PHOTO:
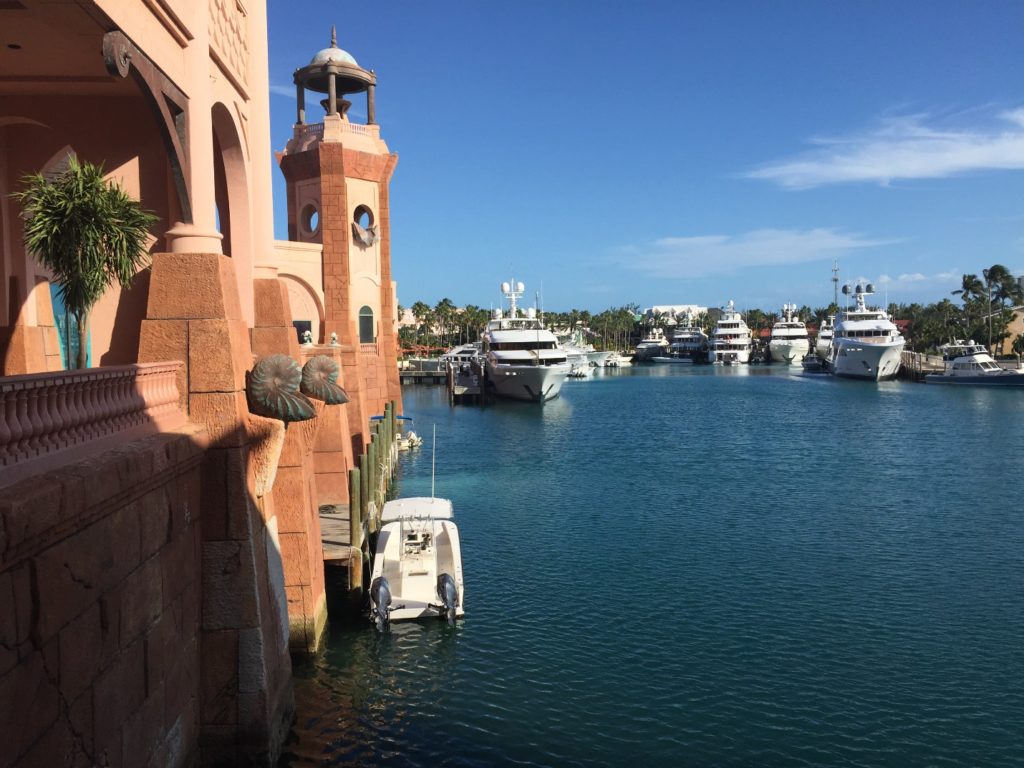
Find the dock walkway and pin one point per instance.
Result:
(336, 533)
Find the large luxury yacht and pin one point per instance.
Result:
(652, 345)
(689, 344)
(823, 344)
(730, 341)
(523, 359)
(789, 342)
(866, 345)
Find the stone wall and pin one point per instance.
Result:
(100, 609)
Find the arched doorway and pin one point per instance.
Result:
(231, 185)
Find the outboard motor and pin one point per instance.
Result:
(380, 599)
(448, 594)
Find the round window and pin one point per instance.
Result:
(310, 219)
(363, 216)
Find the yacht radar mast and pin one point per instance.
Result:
(512, 291)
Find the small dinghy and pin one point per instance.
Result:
(417, 563)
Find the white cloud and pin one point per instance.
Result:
(902, 148)
(288, 91)
(704, 255)
(915, 283)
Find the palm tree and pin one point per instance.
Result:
(971, 291)
(89, 233)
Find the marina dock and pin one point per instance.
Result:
(345, 529)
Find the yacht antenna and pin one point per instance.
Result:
(433, 461)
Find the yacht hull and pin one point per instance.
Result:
(789, 351)
(822, 347)
(532, 383)
(728, 357)
(673, 360)
(858, 360)
(1004, 379)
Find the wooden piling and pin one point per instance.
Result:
(364, 489)
(371, 455)
(355, 568)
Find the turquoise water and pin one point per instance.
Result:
(714, 566)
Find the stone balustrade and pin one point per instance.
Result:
(371, 350)
(50, 413)
(304, 136)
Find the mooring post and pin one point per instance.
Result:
(371, 454)
(355, 526)
(364, 489)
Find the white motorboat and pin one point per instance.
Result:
(654, 344)
(823, 344)
(730, 341)
(867, 344)
(689, 344)
(618, 360)
(523, 359)
(966, 362)
(417, 563)
(789, 342)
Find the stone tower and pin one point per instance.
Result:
(338, 173)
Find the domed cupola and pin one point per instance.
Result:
(335, 72)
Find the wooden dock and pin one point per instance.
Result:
(336, 534)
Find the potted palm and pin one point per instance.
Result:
(88, 232)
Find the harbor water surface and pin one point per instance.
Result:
(714, 566)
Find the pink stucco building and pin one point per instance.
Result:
(160, 552)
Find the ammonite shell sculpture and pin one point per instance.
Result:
(320, 380)
(272, 388)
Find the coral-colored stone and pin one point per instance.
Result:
(218, 355)
(223, 414)
(193, 286)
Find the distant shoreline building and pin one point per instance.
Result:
(673, 313)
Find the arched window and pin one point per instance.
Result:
(366, 335)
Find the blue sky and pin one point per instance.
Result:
(674, 152)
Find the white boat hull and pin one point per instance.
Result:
(598, 359)
(854, 359)
(789, 351)
(822, 347)
(412, 569)
(532, 383)
(729, 356)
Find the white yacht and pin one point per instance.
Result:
(417, 563)
(730, 341)
(654, 344)
(866, 345)
(966, 362)
(689, 344)
(523, 360)
(789, 342)
(823, 344)
(464, 353)
(581, 353)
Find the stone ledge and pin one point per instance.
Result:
(37, 512)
